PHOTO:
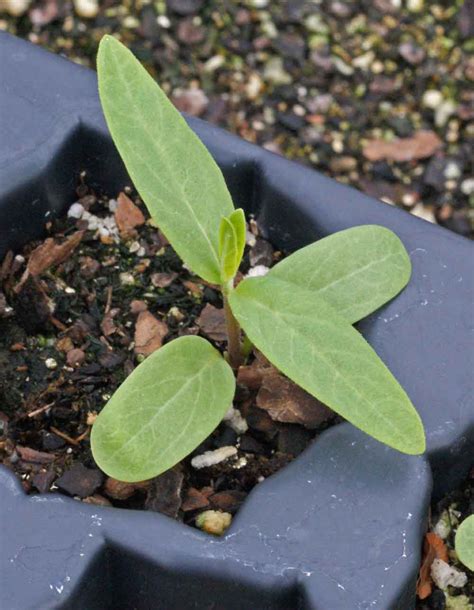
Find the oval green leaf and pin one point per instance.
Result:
(231, 243)
(464, 542)
(163, 410)
(179, 181)
(356, 271)
(304, 337)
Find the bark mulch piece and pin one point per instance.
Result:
(80, 481)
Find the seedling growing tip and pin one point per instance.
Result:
(300, 315)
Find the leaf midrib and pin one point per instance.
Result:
(164, 161)
(329, 362)
(341, 279)
(160, 411)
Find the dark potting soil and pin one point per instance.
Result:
(445, 517)
(78, 312)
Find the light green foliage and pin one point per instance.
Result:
(356, 270)
(163, 410)
(317, 348)
(177, 178)
(464, 542)
(231, 244)
(300, 315)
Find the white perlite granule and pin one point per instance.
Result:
(258, 271)
(211, 458)
(76, 211)
(233, 418)
(444, 575)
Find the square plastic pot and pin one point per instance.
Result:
(339, 528)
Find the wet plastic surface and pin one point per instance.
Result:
(341, 527)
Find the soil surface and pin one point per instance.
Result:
(445, 517)
(375, 93)
(78, 311)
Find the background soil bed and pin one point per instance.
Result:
(78, 312)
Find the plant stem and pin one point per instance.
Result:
(234, 345)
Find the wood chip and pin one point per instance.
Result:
(137, 306)
(423, 144)
(80, 481)
(75, 357)
(163, 280)
(127, 215)
(51, 253)
(64, 344)
(433, 548)
(43, 480)
(194, 500)
(119, 490)
(228, 501)
(149, 333)
(108, 325)
(88, 267)
(32, 305)
(164, 493)
(212, 323)
(6, 265)
(32, 455)
(251, 376)
(97, 500)
(286, 402)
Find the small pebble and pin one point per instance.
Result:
(275, 73)
(214, 63)
(163, 21)
(127, 279)
(432, 98)
(415, 6)
(443, 112)
(75, 357)
(88, 9)
(467, 186)
(16, 8)
(51, 363)
(192, 101)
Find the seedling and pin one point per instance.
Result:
(300, 315)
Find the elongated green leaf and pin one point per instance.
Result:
(356, 270)
(171, 168)
(231, 243)
(304, 337)
(464, 542)
(163, 410)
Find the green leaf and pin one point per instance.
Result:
(464, 542)
(356, 270)
(177, 178)
(163, 410)
(231, 243)
(304, 337)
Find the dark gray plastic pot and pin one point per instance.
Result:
(341, 527)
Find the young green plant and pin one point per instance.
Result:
(300, 315)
